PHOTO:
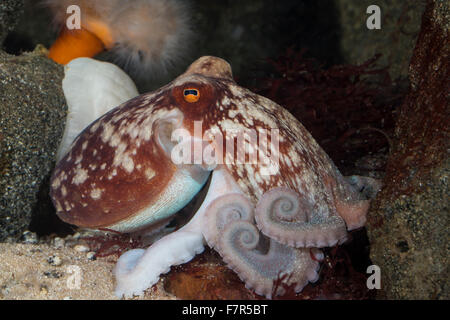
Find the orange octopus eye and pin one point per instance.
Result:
(191, 95)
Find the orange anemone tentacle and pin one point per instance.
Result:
(101, 30)
(72, 44)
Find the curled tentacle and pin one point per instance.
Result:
(286, 205)
(292, 219)
(262, 262)
(223, 210)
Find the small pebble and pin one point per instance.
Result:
(54, 260)
(43, 290)
(91, 255)
(81, 248)
(54, 274)
(29, 237)
(76, 236)
(58, 242)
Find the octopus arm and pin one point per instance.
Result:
(353, 204)
(259, 261)
(139, 269)
(292, 219)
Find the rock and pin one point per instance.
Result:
(91, 255)
(400, 25)
(10, 12)
(54, 260)
(408, 224)
(58, 242)
(32, 117)
(29, 237)
(81, 248)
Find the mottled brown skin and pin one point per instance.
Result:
(308, 169)
(127, 192)
(207, 110)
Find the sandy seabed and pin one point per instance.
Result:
(41, 271)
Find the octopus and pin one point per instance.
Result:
(273, 198)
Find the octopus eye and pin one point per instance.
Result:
(191, 95)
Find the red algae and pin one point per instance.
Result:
(349, 110)
(113, 244)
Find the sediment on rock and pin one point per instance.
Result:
(32, 118)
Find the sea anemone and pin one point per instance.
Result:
(143, 36)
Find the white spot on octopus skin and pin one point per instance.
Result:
(128, 164)
(233, 113)
(95, 126)
(84, 145)
(58, 206)
(96, 194)
(79, 159)
(225, 101)
(56, 183)
(80, 176)
(133, 131)
(113, 174)
(107, 132)
(63, 191)
(149, 173)
(236, 91)
(123, 158)
(147, 135)
(115, 140)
